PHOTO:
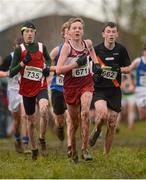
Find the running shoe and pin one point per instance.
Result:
(35, 153)
(18, 146)
(75, 158)
(69, 151)
(86, 155)
(60, 133)
(94, 135)
(26, 149)
(44, 150)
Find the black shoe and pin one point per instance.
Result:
(75, 158)
(18, 146)
(94, 135)
(86, 155)
(35, 153)
(60, 133)
(44, 150)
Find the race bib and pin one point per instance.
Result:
(108, 74)
(32, 73)
(59, 80)
(80, 72)
(143, 80)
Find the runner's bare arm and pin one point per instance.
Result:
(4, 74)
(132, 66)
(53, 54)
(92, 51)
(61, 67)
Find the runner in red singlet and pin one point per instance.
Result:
(78, 83)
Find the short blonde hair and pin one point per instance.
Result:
(73, 20)
(63, 27)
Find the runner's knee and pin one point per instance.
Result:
(31, 121)
(84, 114)
(103, 114)
(112, 123)
(43, 106)
(24, 117)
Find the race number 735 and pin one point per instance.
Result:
(32, 73)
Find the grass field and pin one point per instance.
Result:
(127, 159)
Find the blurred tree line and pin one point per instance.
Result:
(128, 14)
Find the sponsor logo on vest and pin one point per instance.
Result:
(109, 58)
(116, 54)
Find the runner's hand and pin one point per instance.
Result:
(46, 72)
(97, 69)
(27, 58)
(82, 60)
(97, 78)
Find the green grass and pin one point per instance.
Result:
(127, 159)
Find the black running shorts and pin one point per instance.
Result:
(58, 102)
(110, 94)
(30, 102)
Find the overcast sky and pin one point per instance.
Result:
(17, 11)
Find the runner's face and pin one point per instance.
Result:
(76, 31)
(110, 34)
(29, 35)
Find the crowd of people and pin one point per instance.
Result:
(87, 84)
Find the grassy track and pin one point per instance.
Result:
(127, 159)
